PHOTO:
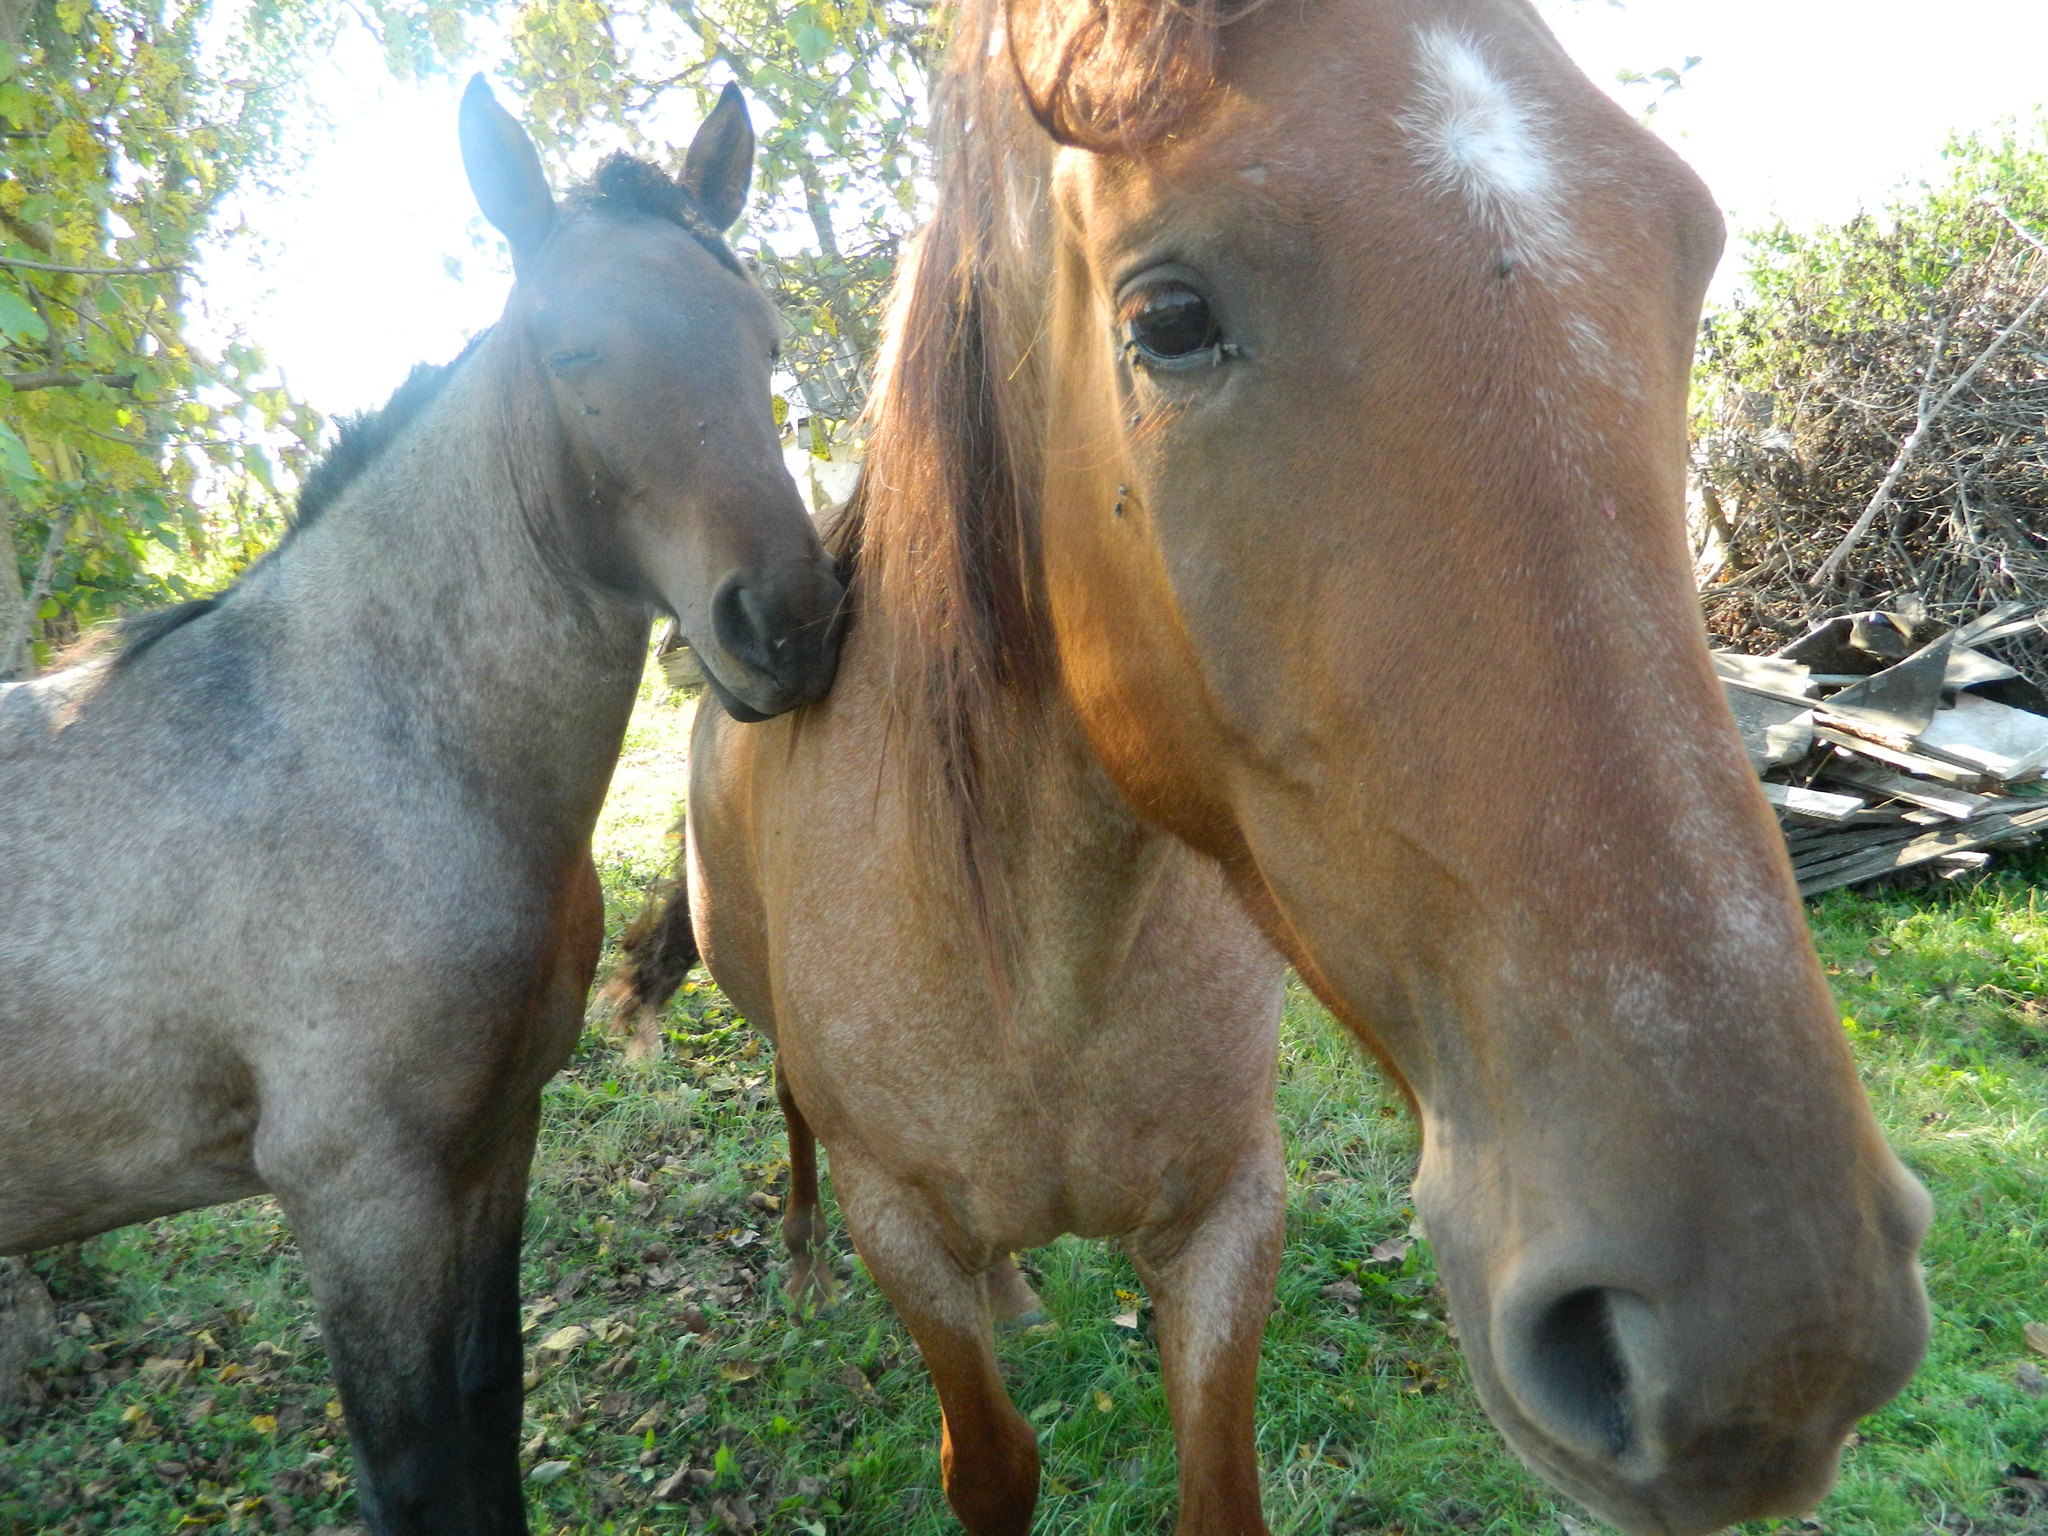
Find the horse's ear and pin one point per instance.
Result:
(721, 160)
(504, 171)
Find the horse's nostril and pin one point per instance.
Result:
(1577, 1374)
(741, 625)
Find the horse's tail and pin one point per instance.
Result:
(658, 952)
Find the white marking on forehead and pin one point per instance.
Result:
(1478, 137)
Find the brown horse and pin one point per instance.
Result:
(1276, 488)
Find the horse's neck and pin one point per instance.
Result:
(1075, 859)
(425, 591)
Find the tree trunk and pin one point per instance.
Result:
(12, 599)
(17, 655)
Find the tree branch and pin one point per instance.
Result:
(56, 378)
(1928, 414)
(58, 266)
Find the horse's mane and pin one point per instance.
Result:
(942, 530)
(360, 440)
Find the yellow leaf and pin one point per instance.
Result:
(739, 1370)
(264, 1424)
(562, 1340)
(1103, 1401)
(334, 1407)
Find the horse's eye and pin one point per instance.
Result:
(562, 362)
(1171, 326)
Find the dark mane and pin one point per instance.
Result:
(628, 187)
(360, 440)
(942, 532)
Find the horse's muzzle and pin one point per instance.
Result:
(1683, 1408)
(776, 638)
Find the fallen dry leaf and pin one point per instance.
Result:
(562, 1340)
(2028, 1482)
(1103, 1401)
(734, 1513)
(1393, 1251)
(547, 1471)
(1343, 1291)
(738, 1370)
(2036, 1336)
(2031, 1379)
(1126, 1320)
(671, 1487)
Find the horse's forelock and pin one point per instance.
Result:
(626, 185)
(1112, 75)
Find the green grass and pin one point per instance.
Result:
(190, 1390)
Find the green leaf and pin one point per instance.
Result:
(15, 462)
(18, 320)
(812, 41)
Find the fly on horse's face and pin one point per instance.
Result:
(657, 351)
(1363, 543)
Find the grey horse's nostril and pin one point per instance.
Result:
(742, 624)
(1577, 1373)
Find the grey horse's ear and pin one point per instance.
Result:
(504, 171)
(720, 164)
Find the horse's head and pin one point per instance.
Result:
(650, 350)
(1364, 360)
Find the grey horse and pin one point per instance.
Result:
(296, 891)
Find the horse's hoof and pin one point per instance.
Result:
(811, 1291)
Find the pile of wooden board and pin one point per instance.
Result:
(1888, 745)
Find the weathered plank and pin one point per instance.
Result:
(1984, 832)
(1959, 804)
(1813, 802)
(1912, 762)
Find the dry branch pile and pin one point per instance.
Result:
(1877, 433)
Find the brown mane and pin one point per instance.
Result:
(941, 532)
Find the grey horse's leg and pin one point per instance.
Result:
(415, 1268)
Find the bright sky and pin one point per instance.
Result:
(1809, 109)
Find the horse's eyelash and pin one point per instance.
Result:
(560, 360)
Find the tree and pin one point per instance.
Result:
(129, 446)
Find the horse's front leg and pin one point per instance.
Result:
(989, 1456)
(414, 1265)
(1211, 1278)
